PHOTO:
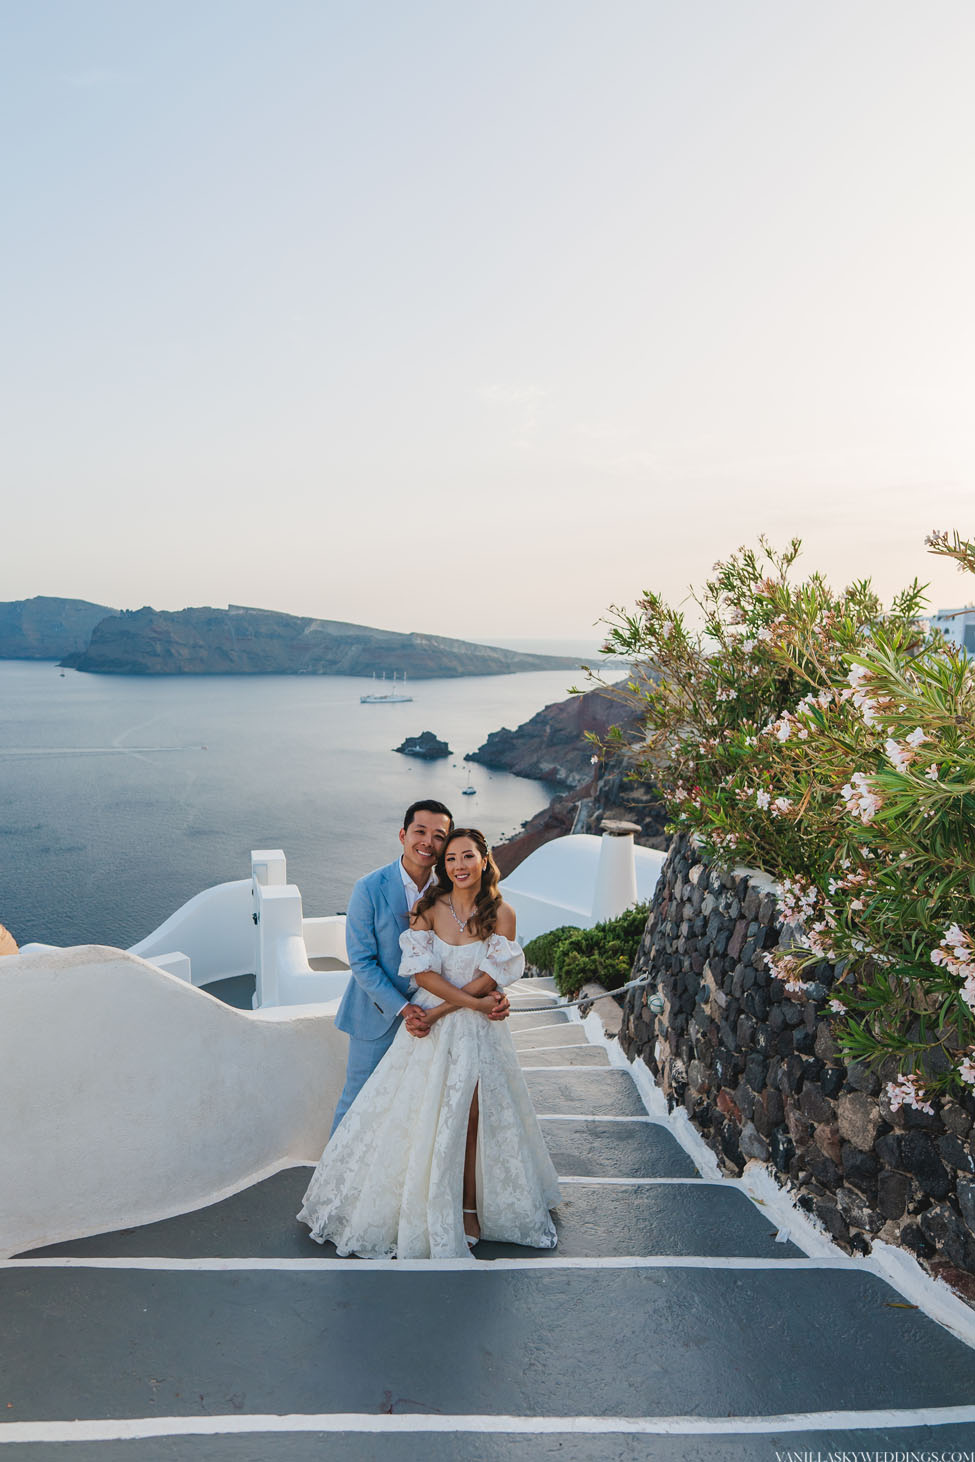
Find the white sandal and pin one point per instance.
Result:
(471, 1241)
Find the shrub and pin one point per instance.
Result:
(832, 743)
(604, 953)
(542, 951)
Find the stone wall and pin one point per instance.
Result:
(761, 1076)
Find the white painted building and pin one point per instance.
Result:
(957, 625)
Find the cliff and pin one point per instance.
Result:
(552, 747)
(239, 641)
(47, 629)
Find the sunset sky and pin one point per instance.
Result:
(477, 317)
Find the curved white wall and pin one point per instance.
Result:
(127, 1095)
(559, 882)
(215, 929)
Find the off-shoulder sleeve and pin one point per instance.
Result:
(419, 953)
(503, 960)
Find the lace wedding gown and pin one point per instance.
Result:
(390, 1180)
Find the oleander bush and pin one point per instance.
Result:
(604, 953)
(830, 741)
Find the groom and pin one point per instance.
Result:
(376, 995)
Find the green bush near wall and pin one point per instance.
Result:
(604, 953)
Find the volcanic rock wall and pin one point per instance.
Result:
(762, 1078)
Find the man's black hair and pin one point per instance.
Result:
(427, 806)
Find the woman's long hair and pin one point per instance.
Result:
(484, 918)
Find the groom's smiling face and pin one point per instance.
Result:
(423, 840)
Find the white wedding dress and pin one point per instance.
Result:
(390, 1180)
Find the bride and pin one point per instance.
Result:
(442, 1146)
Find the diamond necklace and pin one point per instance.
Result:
(460, 926)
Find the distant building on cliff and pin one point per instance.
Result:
(957, 625)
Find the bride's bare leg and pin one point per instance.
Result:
(471, 1225)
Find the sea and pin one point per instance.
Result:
(122, 796)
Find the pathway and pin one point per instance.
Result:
(668, 1324)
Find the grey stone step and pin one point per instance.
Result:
(593, 1221)
(420, 1446)
(518, 1022)
(639, 1220)
(556, 1035)
(564, 1056)
(642, 1342)
(528, 988)
(610, 1093)
(616, 1150)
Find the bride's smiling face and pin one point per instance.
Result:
(463, 863)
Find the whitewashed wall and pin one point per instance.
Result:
(215, 928)
(127, 1096)
(560, 883)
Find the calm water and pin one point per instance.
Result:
(121, 797)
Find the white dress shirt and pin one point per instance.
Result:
(413, 896)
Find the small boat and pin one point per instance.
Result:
(388, 698)
(470, 790)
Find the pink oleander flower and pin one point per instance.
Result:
(907, 1091)
(781, 727)
(966, 1070)
(902, 753)
(932, 772)
(900, 757)
(797, 900)
(837, 1007)
(762, 799)
(780, 806)
(825, 699)
(859, 799)
(818, 944)
(869, 708)
(786, 967)
(956, 954)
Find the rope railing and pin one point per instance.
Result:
(655, 1003)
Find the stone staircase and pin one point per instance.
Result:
(668, 1324)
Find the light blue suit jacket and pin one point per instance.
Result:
(376, 917)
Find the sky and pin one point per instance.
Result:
(477, 318)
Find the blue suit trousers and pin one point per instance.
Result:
(364, 1057)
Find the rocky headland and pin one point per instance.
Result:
(553, 747)
(45, 628)
(244, 641)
